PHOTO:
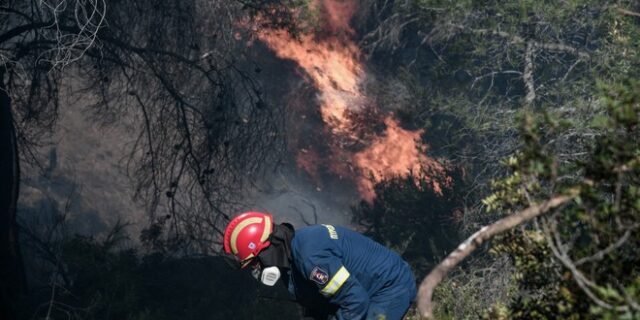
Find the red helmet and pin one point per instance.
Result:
(247, 234)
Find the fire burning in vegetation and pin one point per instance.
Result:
(363, 143)
(397, 153)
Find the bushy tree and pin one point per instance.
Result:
(581, 260)
(472, 66)
(85, 277)
(579, 257)
(413, 219)
(175, 70)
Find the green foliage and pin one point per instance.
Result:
(464, 62)
(468, 58)
(580, 261)
(469, 291)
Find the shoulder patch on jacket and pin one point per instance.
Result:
(319, 276)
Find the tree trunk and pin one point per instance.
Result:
(12, 277)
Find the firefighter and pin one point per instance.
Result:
(330, 270)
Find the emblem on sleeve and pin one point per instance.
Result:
(319, 276)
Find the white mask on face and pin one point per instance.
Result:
(270, 276)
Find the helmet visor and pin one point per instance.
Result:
(250, 262)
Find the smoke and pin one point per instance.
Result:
(293, 198)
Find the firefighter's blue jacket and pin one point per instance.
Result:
(342, 268)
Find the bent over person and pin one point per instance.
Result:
(330, 270)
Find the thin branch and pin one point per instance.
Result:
(570, 69)
(583, 282)
(429, 283)
(561, 47)
(600, 254)
(22, 29)
(627, 12)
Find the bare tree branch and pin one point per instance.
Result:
(559, 47)
(429, 283)
(560, 252)
(600, 254)
(628, 12)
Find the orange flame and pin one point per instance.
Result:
(331, 61)
(333, 68)
(397, 153)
